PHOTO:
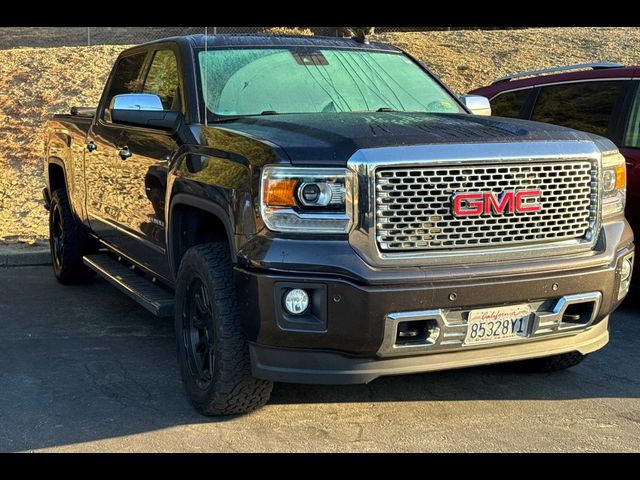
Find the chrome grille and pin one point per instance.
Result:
(413, 205)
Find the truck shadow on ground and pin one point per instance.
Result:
(85, 363)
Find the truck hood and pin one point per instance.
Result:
(334, 137)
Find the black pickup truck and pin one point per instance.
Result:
(326, 211)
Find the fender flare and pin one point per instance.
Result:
(59, 162)
(204, 205)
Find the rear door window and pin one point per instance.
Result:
(585, 106)
(509, 104)
(632, 134)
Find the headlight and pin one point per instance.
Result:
(614, 184)
(307, 200)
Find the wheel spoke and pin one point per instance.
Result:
(205, 298)
(198, 333)
(200, 360)
(207, 358)
(206, 372)
(57, 235)
(201, 305)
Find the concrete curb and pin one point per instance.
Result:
(24, 256)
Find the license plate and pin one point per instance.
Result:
(497, 324)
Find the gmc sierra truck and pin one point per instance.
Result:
(315, 210)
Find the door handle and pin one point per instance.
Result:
(125, 153)
(92, 147)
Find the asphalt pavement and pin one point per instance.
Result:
(84, 368)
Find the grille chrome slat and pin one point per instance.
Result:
(413, 205)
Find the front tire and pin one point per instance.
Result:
(66, 241)
(554, 363)
(213, 352)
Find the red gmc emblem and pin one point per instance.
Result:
(473, 204)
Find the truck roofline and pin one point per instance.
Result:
(257, 40)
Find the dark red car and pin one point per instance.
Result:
(601, 98)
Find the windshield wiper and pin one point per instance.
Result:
(394, 110)
(233, 118)
(227, 118)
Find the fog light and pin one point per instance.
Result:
(296, 301)
(626, 270)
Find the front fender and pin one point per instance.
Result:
(221, 183)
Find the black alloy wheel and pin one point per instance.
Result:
(57, 235)
(198, 333)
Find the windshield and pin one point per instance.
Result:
(256, 81)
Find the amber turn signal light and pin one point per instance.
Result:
(621, 176)
(280, 192)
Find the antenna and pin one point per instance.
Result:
(206, 76)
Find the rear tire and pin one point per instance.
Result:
(213, 352)
(554, 363)
(67, 242)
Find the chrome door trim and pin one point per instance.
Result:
(144, 241)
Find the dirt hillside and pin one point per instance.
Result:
(38, 82)
(33, 84)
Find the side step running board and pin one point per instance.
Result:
(146, 293)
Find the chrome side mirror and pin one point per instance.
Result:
(136, 101)
(143, 110)
(477, 104)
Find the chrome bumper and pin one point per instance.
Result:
(449, 327)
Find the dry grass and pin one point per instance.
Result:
(467, 59)
(35, 83)
(38, 82)
(288, 31)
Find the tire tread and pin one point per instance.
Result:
(554, 363)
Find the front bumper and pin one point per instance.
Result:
(344, 341)
(318, 367)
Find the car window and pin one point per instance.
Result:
(126, 77)
(632, 135)
(509, 104)
(585, 106)
(162, 79)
